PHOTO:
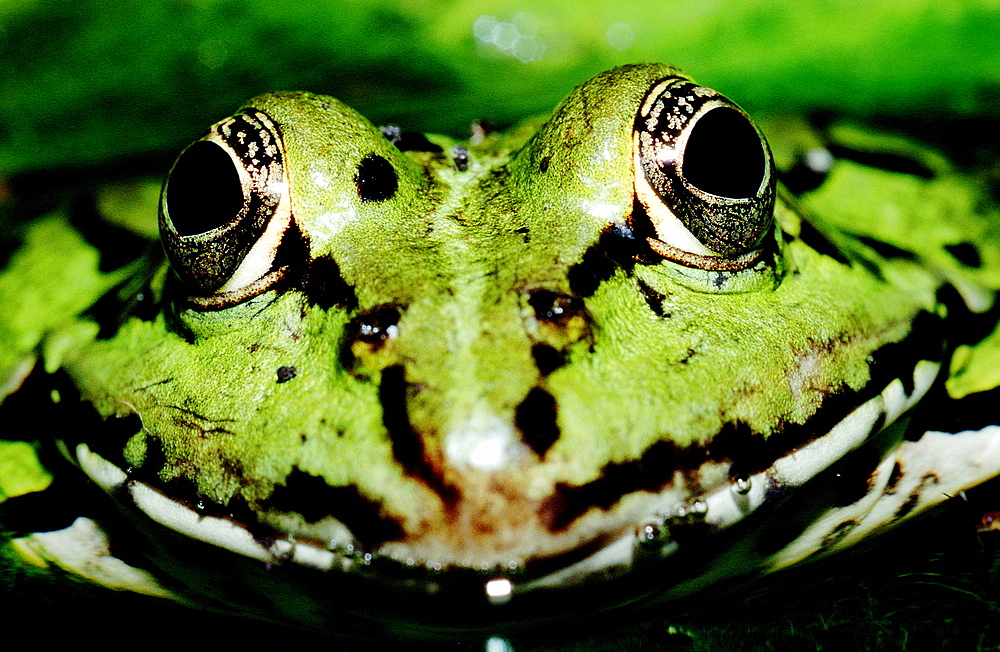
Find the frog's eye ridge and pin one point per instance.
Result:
(219, 205)
(704, 176)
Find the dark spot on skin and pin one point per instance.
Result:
(286, 373)
(965, 253)
(543, 164)
(837, 534)
(376, 179)
(894, 477)
(914, 498)
(888, 161)
(460, 157)
(312, 497)
(547, 358)
(536, 418)
(884, 249)
(325, 287)
(654, 299)
(292, 253)
(525, 234)
(612, 251)
(407, 444)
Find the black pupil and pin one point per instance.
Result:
(204, 190)
(724, 155)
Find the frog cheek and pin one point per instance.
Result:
(704, 177)
(224, 208)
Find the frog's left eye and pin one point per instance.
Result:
(224, 208)
(703, 174)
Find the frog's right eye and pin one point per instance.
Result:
(224, 208)
(704, 175)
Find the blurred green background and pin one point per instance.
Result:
(125, 84)
(90, 80)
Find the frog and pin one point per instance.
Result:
(382, 383)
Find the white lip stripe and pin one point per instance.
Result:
(220, 532)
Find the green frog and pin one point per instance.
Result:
(373, 381)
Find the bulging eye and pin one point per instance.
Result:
(223, 208)
(703, 174)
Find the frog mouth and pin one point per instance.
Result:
(605, 554)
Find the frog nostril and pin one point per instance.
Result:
(369, 339)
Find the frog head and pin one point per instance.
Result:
(533, 357)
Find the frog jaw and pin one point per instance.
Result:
(604, 543)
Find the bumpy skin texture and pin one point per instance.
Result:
(480, 358)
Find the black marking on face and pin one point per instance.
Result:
(325, 287)
(312, 497)
(913, 499)
(652, 472)
(965, 253)
(654, 299)
(888, 161)
(600, 262)
(537, 419)
(376, 179)
(286, 373)
(407, 444)
(117, 246)
(547, 358)
(884, 249)
(894, 477)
